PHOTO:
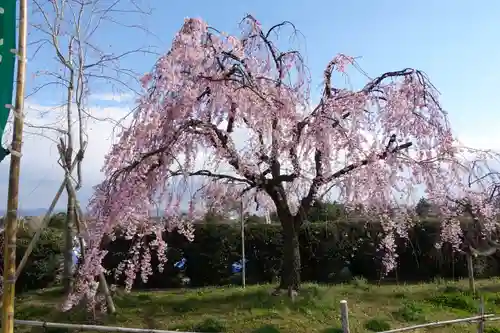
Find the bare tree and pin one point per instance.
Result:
(67, 33)
(482, 237)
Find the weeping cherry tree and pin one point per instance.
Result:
(245, 106)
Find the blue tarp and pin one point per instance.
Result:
(181, 264)
(76, 250)
(237, 266)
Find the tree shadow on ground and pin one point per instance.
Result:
(332, 330)
(205, 303)
(267, 329)
(34, 312)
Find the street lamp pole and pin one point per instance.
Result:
(243, 259)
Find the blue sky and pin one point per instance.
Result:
(454, 42)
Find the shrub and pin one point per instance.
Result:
(42, 263)
(377, 325)
(455, 301)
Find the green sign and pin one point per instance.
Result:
(7, 63)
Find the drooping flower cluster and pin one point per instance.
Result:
(244, 106)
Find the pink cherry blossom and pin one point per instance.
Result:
(246, 106)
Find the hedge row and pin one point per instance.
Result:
(327, 250)
(43, 263)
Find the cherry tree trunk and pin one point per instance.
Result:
(290, 269)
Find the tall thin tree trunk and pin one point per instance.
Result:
(68, 244)
(68, 154)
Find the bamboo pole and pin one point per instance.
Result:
(440, 323)
(93, 328)
(9, 273)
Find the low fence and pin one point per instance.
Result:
(480, 319)
(93, 328)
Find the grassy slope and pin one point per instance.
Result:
(231, 309)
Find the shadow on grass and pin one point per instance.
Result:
(34, 312)
(53, 313)
(267, 329)
(332, 330)
(130, 301)
(310, 297)
(207, 325)
(425, 294)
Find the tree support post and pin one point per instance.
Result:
(79, 221)
(43, 225)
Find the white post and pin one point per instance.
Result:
(243, 258)
(344, 315)
(268, 217)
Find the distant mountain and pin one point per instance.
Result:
(31, 211)
(41, 211)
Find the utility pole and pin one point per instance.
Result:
(7, 12)
(243, 259)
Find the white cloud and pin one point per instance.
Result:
(101, 132)
(40, 173)
(111, 97)
(486, 140)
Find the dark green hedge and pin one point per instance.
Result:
(326, 250)
(43, 263)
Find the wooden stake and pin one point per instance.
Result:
(9, 273)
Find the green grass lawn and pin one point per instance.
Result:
(232, 309)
